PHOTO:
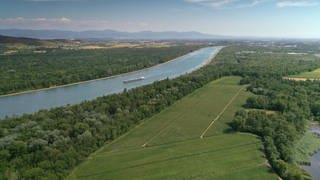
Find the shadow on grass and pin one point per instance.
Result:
(229, 130)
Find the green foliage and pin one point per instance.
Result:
(28, 70)
(305, 147)
(58, 139)
(315, 74)
(174, 149)
(294, 102)
(27, 41)
(52, 142)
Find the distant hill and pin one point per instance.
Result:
(28, 41)
(107, 34)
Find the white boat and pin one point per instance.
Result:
(134, 79)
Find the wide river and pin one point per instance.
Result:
(44, 99)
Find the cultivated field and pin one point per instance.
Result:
(169, 145)
(313, 75)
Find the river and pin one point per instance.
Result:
(27, 103)
(314, 168)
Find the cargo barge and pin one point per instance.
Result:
(134, 80)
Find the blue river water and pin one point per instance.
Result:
(45, 99)
(314, 168)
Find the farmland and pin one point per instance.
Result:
(312, 75)
(169, 144)
(63, 138)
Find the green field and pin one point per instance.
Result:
(168, 145)
(313, 74)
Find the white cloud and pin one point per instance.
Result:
(199, 1)
(251, 4)
(283, 4)
(212, 3)
(51, 0)
(70, 24)
(218, 4)
(30, 21)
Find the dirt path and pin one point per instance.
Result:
(165, 127)
(301, 79)
(221, 113)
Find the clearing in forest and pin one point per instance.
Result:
(168, 145)
(312, 75)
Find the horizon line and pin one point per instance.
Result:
(226, 36)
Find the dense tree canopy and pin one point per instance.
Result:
(281, 109)
(49, 143)
(29, 70)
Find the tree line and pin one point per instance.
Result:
(50, 143)
(29, 70)
(280, 110)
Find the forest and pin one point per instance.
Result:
(52, 67)
(294, 104)
(281, 110)
(50, 143)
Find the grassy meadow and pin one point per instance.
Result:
(168, 145)
(315, 74)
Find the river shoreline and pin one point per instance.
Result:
(32, 101)
(103, 78)
(314, 158)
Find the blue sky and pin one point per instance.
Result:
(268, 18)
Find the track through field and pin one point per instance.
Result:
(167, 145)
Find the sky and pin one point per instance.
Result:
(260, 18)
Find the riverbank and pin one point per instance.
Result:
(103, 78)
(314, 167)
(308, 145)
(307, 148)
(29, 102)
